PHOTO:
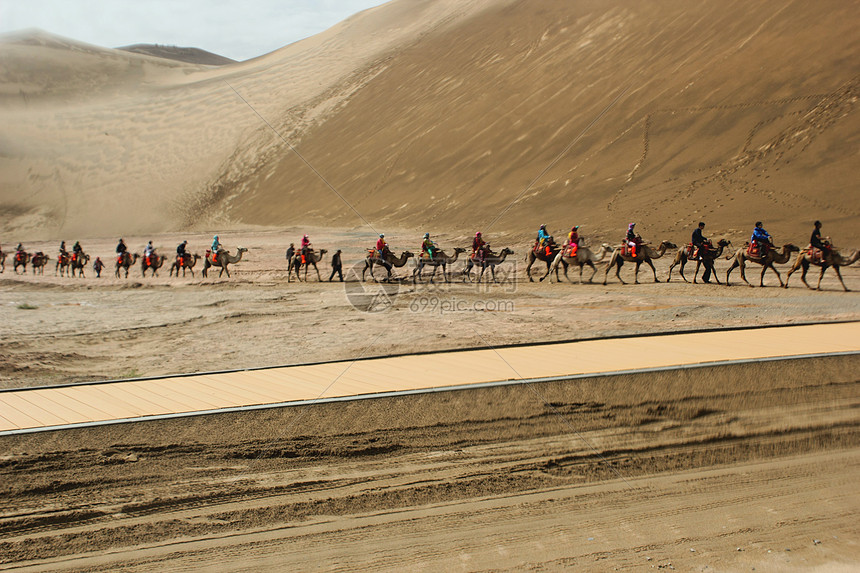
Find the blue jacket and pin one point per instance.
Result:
(760, 235)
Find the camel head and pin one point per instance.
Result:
(506, 251)
(241, 250)
(459, 250)
(669, 245)
(724, 243)
(791, 248)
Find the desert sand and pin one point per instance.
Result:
(631, 472)
(447, 117)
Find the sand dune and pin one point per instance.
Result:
(446, 115)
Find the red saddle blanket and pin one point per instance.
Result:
(757, 251)
(817, 255)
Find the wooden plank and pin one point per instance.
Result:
(47, 411)
(17, 411)
(204, 392)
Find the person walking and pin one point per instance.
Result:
(336, 267)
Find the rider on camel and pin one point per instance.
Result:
(19, 253)
(544, 240)
(216, 249)
(121, 249)
(699, 241)
(479, 247)
(573, 240)
(306, 248)
(381, 246)
(182, 254)
(63, 251)
(633, 240)
(148, 253)
(428, 247)
(816, 242)
(760, 239)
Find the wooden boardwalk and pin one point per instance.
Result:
(59, 407)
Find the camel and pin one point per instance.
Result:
(21, 260)
(388, 262)
(155, 263)
(188, 264)
(223, 259)
(39, 262)
(312, 258)
(125, 261)
(541, 255)
(78, 263)
(830, 258)
(773, 256)
(62, 267)
(439, 259)
(646, 255)
(491, 259)
(706, 258)
(2, 261)
(584, 256)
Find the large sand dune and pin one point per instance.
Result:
(447, 116)
(442, 114)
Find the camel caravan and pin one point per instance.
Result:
(573, 251)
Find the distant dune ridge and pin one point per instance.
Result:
(443, 115)
(188, 55)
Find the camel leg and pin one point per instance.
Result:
(743, 269)
(546, 274)
(805, 269)
(681, 271)
(770, 266)
(593, 272)
(696, 273)
(731, 268)
(821, 276)
(838, 274)
(531, 259)
(794, 267)
(653, 270)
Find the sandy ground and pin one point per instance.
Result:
(108, 328)
(487, 115)
(726, 469)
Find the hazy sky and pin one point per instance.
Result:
(237, 29)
